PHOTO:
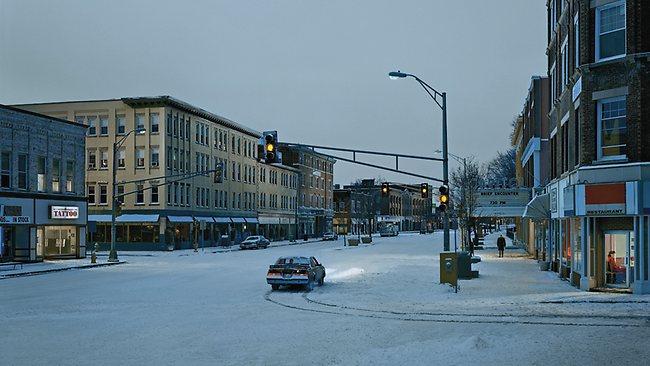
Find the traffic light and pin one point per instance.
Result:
(118, 207)
(385, 189)
(218, 173)
(424, 190)
(443, 198)
(270, 146)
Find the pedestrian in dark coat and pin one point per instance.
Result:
(501, 245)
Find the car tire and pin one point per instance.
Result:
(275, 287)
(321, 282)
(309, 286)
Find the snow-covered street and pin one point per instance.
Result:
(381, 305)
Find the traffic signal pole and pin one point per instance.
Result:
(445, 169)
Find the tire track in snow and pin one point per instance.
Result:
(334, 309)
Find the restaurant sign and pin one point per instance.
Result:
(605, 199)
(64, 212)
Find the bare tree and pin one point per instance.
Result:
(500, 171)
(465, 182)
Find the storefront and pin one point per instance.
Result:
(33, 229)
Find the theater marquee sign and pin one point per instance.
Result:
(501, 202)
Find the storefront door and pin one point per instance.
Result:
(7, 243)
(619, 258)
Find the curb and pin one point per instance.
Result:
(36, 273)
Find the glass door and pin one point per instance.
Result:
(619, 258)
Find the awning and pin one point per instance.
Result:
(203, 218)
(252, 220)
(222, 220)
(539, 207)
(269, 220)
(180, 219)
(99, 218)
(238, 220)
(136, 218)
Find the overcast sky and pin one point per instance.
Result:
(316, 71)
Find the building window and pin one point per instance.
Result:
(22, 171)
(612, 128)
(154, 194)
(576, 137)
(139, 195)
(155, 156)
(553, 78)
(175, 158)
(576, 40)
(565, 65)
(92, 126)
(121, 124)
(120, 158)
(154, 121)
(610, 31)
(103, 125)
(56, 175)
(139, 123)
(5, 170)
(104, 159)
(91, 194)
(120, 194)
(188, 194)
(182, 129)
(176, 125)
(41, 170)
(196, 132)
(69, 176)
(92, 159)
(169, 125)
(103, 194)
(187, 129)
(139, 157)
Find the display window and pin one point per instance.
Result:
(57, 240)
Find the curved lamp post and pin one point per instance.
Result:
(441, 100)
(112, 256)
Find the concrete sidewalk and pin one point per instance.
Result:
(49, 266)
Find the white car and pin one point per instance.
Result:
(330, 236)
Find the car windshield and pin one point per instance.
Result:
(252, 238)
(293, 260)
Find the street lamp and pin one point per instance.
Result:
(112, 256)
(442, 103)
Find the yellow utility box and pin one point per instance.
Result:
(449, 268)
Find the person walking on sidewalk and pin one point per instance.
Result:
(501, 245)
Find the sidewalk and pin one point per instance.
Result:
(49, 266)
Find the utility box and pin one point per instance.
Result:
(449, 268)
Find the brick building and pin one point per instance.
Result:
(599, 193)
(43, 208)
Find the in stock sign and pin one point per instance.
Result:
(64, 212)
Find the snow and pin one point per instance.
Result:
(381, 305)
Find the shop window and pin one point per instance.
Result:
(56, 175)
(69, 176)
(22, 171)
(41, 164)
(5, 169)
(59, 240)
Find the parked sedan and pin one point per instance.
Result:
(330, 236)
(254, 242)
(300, 271)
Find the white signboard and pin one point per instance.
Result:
(64, 212)
(15, 220)
(501, 202)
